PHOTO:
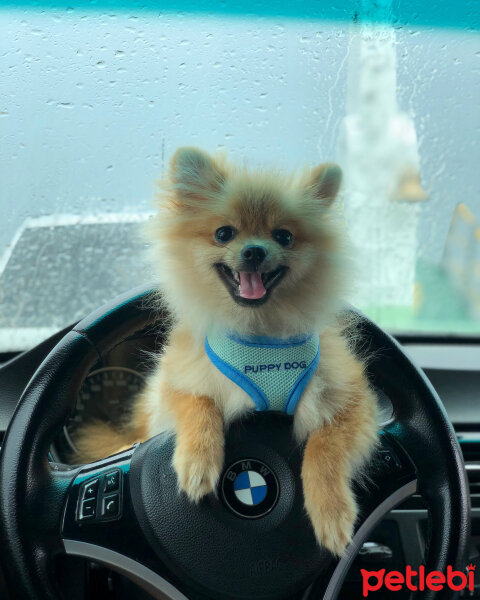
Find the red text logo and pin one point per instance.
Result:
(417, 580)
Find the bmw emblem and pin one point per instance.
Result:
(250, 488)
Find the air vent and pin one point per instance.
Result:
(470, 445)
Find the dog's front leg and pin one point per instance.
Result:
(332, 454)
(198, 457)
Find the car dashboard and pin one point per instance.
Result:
(108, 391)
(107, 394)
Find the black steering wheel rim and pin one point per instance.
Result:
(33, 494)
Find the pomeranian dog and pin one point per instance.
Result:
(251, 267)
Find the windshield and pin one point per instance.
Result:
(96, 97)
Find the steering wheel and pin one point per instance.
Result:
(125, 511)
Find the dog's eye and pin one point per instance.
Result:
(225, 234)
(283, 237)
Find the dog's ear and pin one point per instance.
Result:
(195, 175)
(324, 183)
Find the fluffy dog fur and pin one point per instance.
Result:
(185, 393)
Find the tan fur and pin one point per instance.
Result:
(255, 203)
(198, 455)
(98, 439)
(339, 447)
(187, 395)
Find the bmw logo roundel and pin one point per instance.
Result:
(250, 488)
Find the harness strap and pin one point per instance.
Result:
(274, 372)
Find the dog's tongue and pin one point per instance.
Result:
(251, 285)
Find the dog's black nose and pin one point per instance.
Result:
(253, 256)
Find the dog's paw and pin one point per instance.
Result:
(333, 517)
(198, 471)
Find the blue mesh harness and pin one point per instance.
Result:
(274, 372)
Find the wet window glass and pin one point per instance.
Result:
(96, 96)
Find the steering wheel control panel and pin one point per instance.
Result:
(387, 458)
(100, 497)
(99, 508)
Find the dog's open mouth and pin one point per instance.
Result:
(250, 287)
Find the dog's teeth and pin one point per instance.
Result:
(236, 276)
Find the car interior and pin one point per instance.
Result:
(96, 96)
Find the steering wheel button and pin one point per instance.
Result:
(88, 509)
(90, 489)
(112, 481)
(111, 506)
(390, 460)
